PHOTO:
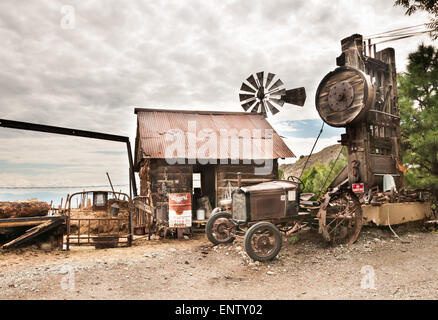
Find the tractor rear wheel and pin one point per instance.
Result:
(343, 219)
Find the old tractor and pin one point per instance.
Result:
(360, 95)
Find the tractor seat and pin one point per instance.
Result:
(306, 196)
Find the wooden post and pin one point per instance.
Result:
(60, 206)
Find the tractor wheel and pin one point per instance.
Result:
(263, 241)
(343, 219)
(218, 228)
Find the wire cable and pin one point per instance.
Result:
(398, 38)
(390, 31)
(331, 169)
(61, 187)
(400, 33)
(311, 152)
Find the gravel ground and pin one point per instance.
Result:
(377, 266)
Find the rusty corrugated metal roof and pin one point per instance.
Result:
(157, 127)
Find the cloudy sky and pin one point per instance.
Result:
(91, 72)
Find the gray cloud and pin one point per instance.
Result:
(173, 54)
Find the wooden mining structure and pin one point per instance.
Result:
(361, 96)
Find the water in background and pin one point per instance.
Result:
(49, 194)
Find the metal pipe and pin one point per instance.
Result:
(75, 132)
(369, 47)
(131, 168)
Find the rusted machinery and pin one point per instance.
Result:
(361, 96)
(260, 212)
(96, 222)
(264, 209)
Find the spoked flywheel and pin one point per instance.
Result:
(340, 217)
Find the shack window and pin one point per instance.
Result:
(196, 180)
(100, 200)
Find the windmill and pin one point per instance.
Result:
(259, 96)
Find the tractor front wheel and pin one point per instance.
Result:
(263, 241)
(219, 228)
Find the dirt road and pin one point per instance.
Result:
(378, 266)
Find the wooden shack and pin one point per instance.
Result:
(200, 152)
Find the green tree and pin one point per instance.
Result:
(430, 6)
(280, 174)
(418, 102)
(317, 178)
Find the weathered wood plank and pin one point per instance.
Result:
(33, 233)
(143, 206)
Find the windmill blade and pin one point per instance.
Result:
(244, 97)
(295, 96)
(269, 79)
(256, 108)
(260, 76)
(273, 109)
(278, 92)
(277, 101)
(248, 104)
(246, 88)
(252, 81)
(276, 84)
(263, 108)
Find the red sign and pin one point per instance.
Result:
(358, 187)
(180, 210)
(179, 202)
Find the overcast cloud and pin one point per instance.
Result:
(161, 54)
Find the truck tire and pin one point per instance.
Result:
(263, 241)
(218, 228)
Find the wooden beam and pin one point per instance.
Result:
(30, 221)
(33, 233)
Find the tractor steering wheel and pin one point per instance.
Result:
(296, 180)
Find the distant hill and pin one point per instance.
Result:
(324, 156)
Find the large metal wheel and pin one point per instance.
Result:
(344, 96)
(342, 220)
(262, 241)
(219, 227)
